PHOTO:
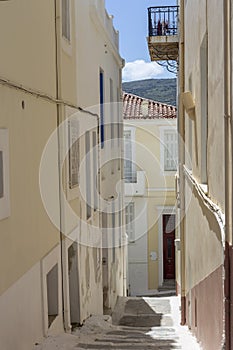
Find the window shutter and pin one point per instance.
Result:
(73, 153)
(129, 220)
(170, 151)
(128, 156)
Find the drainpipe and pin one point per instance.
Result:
(181, 131)
(228, 172)
(65, 306)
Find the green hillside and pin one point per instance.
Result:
(161, 90)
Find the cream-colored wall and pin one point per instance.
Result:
(203, 241)
(24, 307)
(28, 234)
(137, 251)
(28, 237)
(215, 149)
(203, 233)
(28, 44)
(160, 193)
(98, 49)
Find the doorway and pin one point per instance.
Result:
(74, 285)
(169, 246)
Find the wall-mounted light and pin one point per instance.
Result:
(188, 103)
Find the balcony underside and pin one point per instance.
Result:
(163, 48)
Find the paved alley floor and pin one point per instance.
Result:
(136, 323)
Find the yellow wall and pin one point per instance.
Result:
(160, 186)
(28, 58)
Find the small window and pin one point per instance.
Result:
(169, 222)
(170, 150)
(73, 153)
(129, 221)
(52, 294)
(66, 19)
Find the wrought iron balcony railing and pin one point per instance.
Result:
(163, 20)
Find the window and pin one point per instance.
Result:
(52, 294)
(88, 175)
(129, 167)
(204, 107)
(4, 175)
(105, 238)
(129, 221)
(66, 19)
(95, 169)
(190, 130)
(170, 150)
(119, 126)
(119, 223)
(113, 233)
(101, 83)
(112, 112)
(169, 222)
(73, 152)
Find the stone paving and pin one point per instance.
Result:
(136, 323)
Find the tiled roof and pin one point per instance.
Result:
(135, 107)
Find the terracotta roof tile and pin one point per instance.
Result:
(136, 107)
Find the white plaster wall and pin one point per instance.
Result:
(208, 18)
(204, 250)
(21, 312)
(24, 310)
(137, 251)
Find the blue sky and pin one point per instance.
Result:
(130, 18)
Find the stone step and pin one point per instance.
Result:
(147, 340)
(141, 321)
(158, 345)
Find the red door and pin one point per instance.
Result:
(169, 246)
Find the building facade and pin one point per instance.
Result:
(150, 164)
(60, 66)
(202, 45)
(201, 174)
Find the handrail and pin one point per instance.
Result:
(163, 20)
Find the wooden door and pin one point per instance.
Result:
(169, 246)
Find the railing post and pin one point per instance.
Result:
(149, 22)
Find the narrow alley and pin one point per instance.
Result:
(116, 174)
(136, 323)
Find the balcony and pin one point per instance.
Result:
(163, 41)
(138, 186)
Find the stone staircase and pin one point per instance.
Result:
(168, 288)
(133, 319)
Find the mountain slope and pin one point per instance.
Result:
(161, 90)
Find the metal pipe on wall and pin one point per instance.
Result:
(228, 136)
(181, 131)
(64, 277)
